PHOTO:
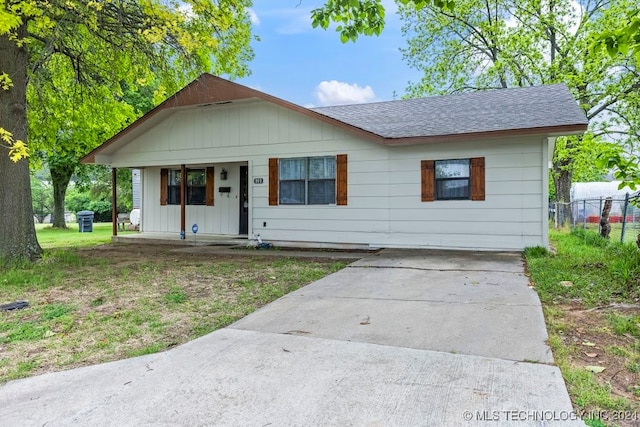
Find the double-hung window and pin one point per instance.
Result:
(307, 181)
(452, 179)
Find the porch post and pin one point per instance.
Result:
(114, 203)
(183, 200)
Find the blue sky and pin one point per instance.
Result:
(311, 67)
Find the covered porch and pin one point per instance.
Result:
(196, 202)
(189, 240)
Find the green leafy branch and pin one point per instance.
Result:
(626, 168)
(355, 17)
(624, 40)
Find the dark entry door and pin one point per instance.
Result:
(244, 200)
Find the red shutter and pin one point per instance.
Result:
(477, 178)
(210, 180)
(341, 179)
(273, 182)
(428, 172)
(164, 186)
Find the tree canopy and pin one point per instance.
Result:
(592, 46)
(62, 47)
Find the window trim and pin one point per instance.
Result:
(166, 186)
(341, 181)
(476, 178)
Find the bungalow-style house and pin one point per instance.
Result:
(465, 171)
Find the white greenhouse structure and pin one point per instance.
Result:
(587, 201)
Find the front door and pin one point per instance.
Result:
(244, 200)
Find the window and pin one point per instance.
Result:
(196, 187)
(307, 181)
(461, 179)
(174, 187)
(452, 179)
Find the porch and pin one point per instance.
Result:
(190, 239)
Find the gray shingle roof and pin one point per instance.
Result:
(483, 111)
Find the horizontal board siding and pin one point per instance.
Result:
(470, 229)
(448, 241)
(495, 202)
(335, 213)
(470, 215)
(383, 206)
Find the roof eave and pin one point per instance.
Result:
(564, 130)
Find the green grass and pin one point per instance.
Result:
(599, 271)
(632, 229)
(176, 295)
(98, 304)
(591, 271)
(624, 324)
(51, 238)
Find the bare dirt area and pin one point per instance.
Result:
(103, 303)
(603, 341)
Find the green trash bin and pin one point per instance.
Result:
(85, 221)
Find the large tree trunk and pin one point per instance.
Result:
(60, 177)
(18, 235)
(562, 179)
(562, 182)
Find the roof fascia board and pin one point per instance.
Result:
(564, 130)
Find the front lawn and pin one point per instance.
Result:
(51, 238)
(93, 303)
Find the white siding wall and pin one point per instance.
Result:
(511, 217)
(221, 218)
(384, 206)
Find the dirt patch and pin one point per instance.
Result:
(593, 341)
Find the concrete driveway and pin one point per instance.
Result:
(400, 338)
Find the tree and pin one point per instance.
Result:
(142, 37)
(474, 45)
(624, 40)
(67, 121)
(624, 160)
(505, 43)
(362, 16)
(41, 194)
(92, 191)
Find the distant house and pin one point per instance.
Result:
(466, 171)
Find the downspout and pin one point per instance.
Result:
(183, 200)
(114, 204)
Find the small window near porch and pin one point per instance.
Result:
(196, 187)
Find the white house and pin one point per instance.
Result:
(466, 171)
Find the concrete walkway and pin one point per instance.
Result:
(399, 338)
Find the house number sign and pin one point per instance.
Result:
(258, 180)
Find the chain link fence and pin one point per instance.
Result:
(624, 217)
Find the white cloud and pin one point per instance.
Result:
(186, 10)
(339, 93)
(253, 16)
